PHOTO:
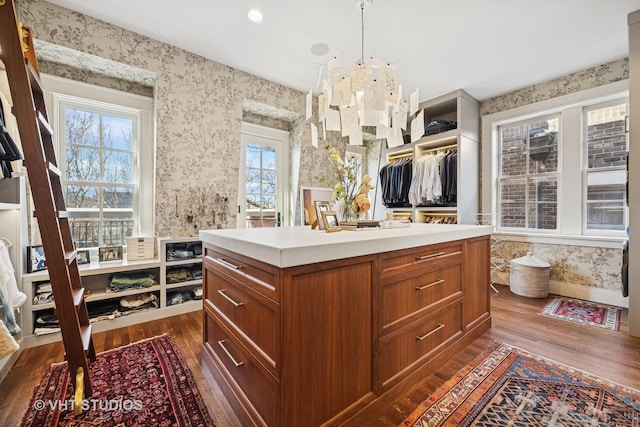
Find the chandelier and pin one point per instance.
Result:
(367, 102)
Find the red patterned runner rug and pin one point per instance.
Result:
(141, 384)
(584, 312)
(505, 386)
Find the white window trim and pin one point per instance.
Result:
(557, 174)
(570, 195)
(280, 138)
(59, 90)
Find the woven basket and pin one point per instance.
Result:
(529, 276)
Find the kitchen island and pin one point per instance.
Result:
(303, 327)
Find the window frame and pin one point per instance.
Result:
(571, 204)
(62, 92)
(586, 170)
(557, 174)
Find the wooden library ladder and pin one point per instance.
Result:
(18, 56)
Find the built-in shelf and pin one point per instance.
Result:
(95, 278)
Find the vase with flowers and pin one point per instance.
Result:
(351, 196)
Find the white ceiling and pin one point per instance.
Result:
(487, 47)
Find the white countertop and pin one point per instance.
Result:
(291, 246)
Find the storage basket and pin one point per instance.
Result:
(529, 276)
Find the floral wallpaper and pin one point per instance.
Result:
(577, 265)
(200, 107)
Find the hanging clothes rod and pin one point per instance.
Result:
(6, 242)
(444, 147)
(399, 156)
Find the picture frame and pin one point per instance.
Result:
(321, 206)
(83, 256)
(110, 253)
(308, 195)
(330, 221)
(35, 259)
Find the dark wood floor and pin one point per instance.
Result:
(611, 355)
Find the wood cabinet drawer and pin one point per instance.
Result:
(404, 300)
(256, 274)
(406, 349)
(251, 315)
(420, 259)
(252, 384)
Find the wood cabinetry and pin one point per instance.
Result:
(318, 343)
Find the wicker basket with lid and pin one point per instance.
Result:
(529, 276)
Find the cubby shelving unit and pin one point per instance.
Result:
(95, 277)
(464, 109)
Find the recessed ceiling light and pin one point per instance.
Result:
(255, 15)
(319, 49)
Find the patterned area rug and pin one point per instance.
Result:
(584, 312)
(506, 386)
(141, 384)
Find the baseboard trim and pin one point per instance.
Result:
(588, 293)
(572, 290)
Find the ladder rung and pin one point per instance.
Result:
(58, 214)
(85, 334)
(45, 127)
(70, 256)
(78, 296)
(54, 169)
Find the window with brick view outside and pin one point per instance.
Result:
(606, 149)
(528, 193)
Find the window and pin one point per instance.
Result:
(107, 175)
(528, 182)
(555, 171)
(262, 178)
(605, 143)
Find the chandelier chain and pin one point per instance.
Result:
(362, 22)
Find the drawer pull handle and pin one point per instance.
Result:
(228, 298)
(221, 344)
(440, 326)
(421, 288)
(228, 264)
(423, 257)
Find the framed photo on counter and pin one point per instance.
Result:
(321, 206)
(110, 253)
(330, 221)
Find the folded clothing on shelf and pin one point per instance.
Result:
(437, 126)
(178, 274)
(197, 292)
(130, 280)
(178, 297)
(138, 302)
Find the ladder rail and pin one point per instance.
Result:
(46, 190)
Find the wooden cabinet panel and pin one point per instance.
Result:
(404, 300)
(252, 316)
(406, 349)
(258, 390)
(255, 274)
(327, 339)
(424, 258)
(476, 281)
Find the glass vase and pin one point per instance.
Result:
(347, 212)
